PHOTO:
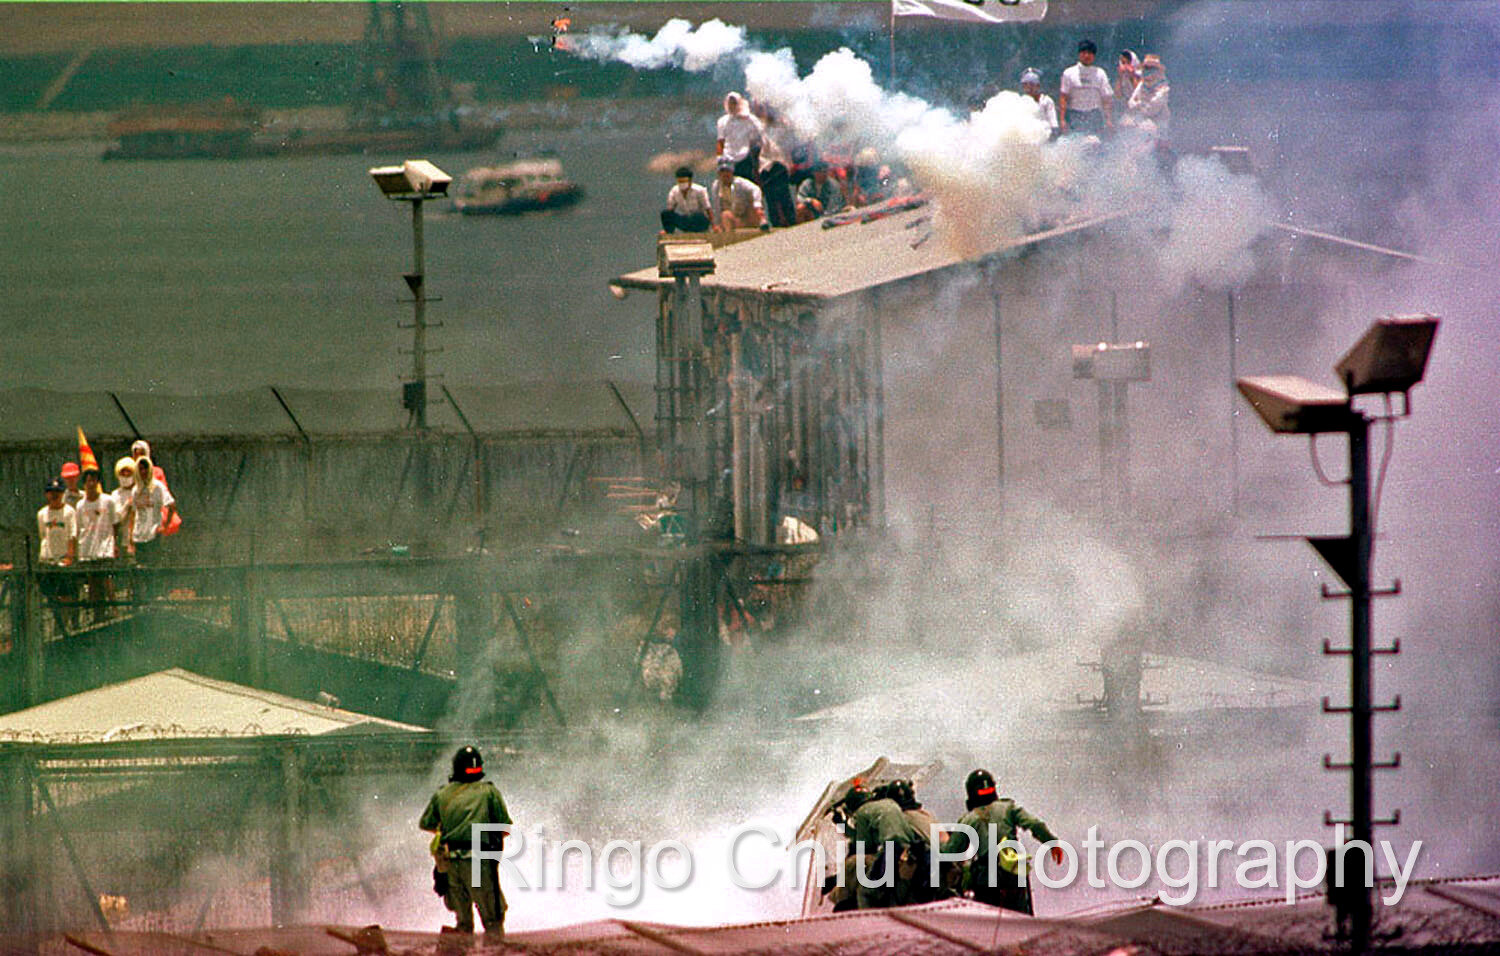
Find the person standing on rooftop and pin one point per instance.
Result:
(740, 136)
(1085, 98)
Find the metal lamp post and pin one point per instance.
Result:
(1390, 358)
(415, 181)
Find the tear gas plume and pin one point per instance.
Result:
(677, 44)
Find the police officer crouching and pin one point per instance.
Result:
(468, 799)
(884, 836)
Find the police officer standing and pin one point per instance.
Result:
(985, 808)
(466, 799)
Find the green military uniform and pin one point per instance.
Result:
(873, 825)
(913, 874)
(1008, 818)
(452, 811)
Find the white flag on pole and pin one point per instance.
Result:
(974, 11)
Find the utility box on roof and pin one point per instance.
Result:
(684, 258)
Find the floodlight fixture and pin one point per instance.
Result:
(1390, 357)
(413, 179)
(690, 257)
(1292, 405)
(1113, 362)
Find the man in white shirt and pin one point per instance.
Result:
(737, 202)
(740, 137)
(1086, 96)
(57, 526)
(688, 206)
(1046, 109)
(97, 515)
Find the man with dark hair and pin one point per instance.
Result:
(98, 519)
(57, 527)
(688, 207)
(468, 799)
(1086, 95)
(987, 809)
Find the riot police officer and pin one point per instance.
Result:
(986, 807)
(878, 822)
(466, 799)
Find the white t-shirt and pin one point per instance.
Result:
(56, 527)
(1046, 110)
(740, 132)
(739, 197)
(148, 501)
(1086, 87)
(96, 527)
(695, 200)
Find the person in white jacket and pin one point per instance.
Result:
(1148, 108)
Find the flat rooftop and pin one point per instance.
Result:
(176, 703)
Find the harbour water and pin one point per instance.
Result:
(193, 276)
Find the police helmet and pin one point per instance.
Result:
(467, 765)
(903, 793)
(856, 796)
(980, 787)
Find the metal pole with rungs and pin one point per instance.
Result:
(419, 316)
(1360, 732)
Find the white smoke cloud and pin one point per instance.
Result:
(1212, 222)
(676, 44)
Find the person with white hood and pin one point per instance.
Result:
(1148, 108)
(151, 506)
(740, 137)
(124, 487)
(1046, 107)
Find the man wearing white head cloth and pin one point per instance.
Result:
(740, 137)
(1046, 109)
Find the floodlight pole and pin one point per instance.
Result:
(1361, 784)
(419, 318)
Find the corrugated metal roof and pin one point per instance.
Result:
(33, 415)
(177, 703)
(1431, 917)
(808, 262)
